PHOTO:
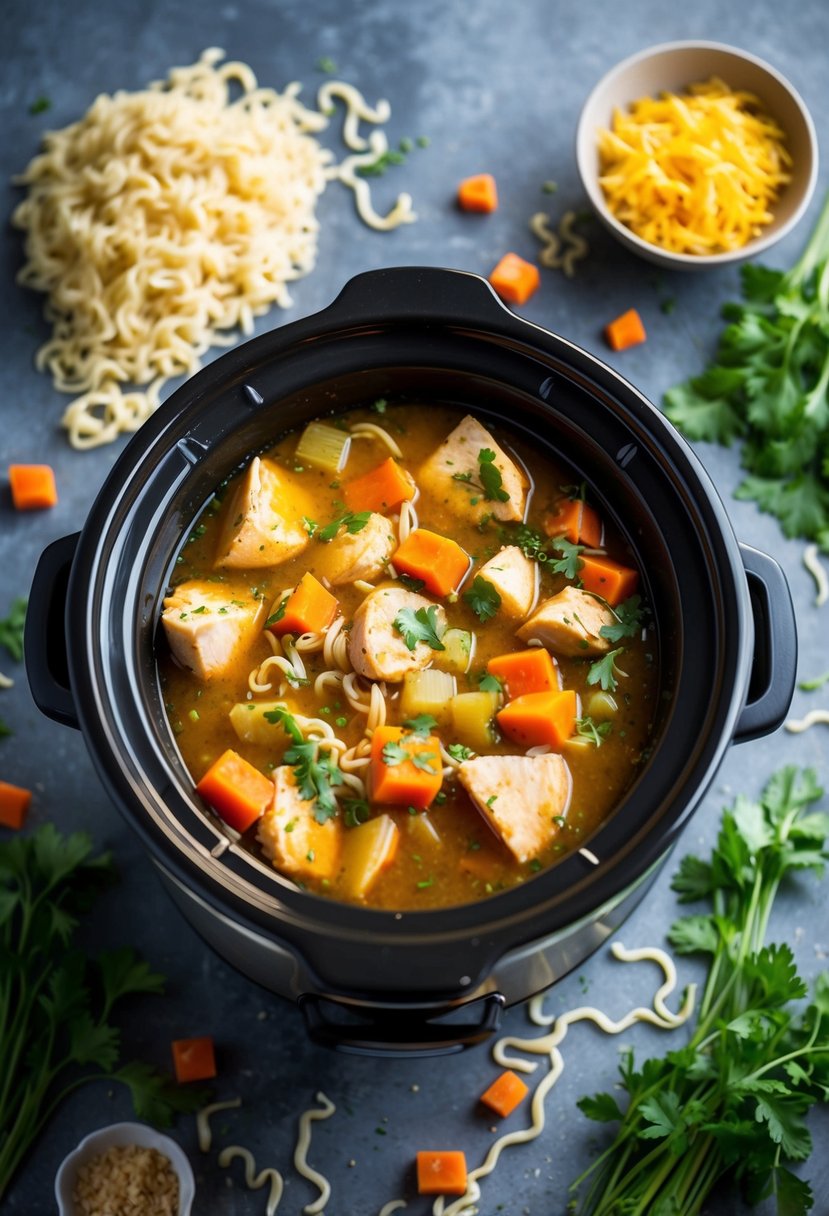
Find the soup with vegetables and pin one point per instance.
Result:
(407, 659)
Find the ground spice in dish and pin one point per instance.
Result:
(126, 1180)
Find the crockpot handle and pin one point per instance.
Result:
(421, 292)
(384, 1031)
(774, 665)
(44, 640)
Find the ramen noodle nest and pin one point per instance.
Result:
(695, 173)
(166, 218)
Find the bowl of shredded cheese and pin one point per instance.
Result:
(128, 1168)
(696, 154)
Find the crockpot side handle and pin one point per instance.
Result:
(383, 1031)
(774, 665)
(44, 639)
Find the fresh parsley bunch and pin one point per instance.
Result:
(733, 1102)
(56, 1004)
(769, 386)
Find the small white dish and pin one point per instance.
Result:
(671, 67)
(122, 1135)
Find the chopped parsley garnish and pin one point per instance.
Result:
(413, 584)
(351, 521)
(596, 732)
(378, 166)
(379, 406)
(5, 730)
(605, 672)
(394, 753)
(311, 525)
(490, 474)
(424, 883)
(421, 726)
(11, 629)
(460, 752)
(462, 477)
(315, 773)
(488, 683)
(419, 625)
(40, 105)
(327, 65)
(482, 598)
(814, 684)
(280, 612)
(570, 561)
(628, 620)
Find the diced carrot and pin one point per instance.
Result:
(411, 781)
(236, 790)
(310, 608)
(540, 718)
(505, 1093)
(514, 279)
(608, 579)
(441, 1173)
(194, 1059)
(14, 805)
(524, 671)
(575, 520)
(478, 193)
(440, 562)
(32, 486)
(626, 330)
(383, 489)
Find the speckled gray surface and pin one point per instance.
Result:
(495, 89)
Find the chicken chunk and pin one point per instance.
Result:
(206, 629)
(263, 522)
(377, 650)
(458, 458)
(362, 554)
(521, 798)
(569, 624)
(291, 836)
(515, 578)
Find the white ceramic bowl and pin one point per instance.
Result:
(673, 66)
(121, 1135)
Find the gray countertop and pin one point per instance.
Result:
(495, 88)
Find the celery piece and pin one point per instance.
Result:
(472, 714)
(427, 692)
(324, 447)
(458, 647)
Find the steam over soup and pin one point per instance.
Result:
(407, 658)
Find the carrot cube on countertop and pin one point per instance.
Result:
(14, 805)
(505, 1093)
(33, 486)
(514, 279)
(441, 1173)
(478, 193)
(194, 1059)
(626, 330)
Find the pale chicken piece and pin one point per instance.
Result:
(514, 577)
(358, 555)
(291, 836)
(263, 521)
(376, 648)
(521, 798)
(569, 624)
(207, 629)
(458, 457)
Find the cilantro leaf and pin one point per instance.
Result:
(419, 625)
(482, 598)
(570, 561)
(316, 774)
(351, 521)
(460, 752)
(277, 616)
(490, 475)
(628, 621)
(596, 732)
(422, 725)
(605, 672)
(394, 753)
(11, 629)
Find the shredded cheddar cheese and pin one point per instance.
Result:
(697, 172)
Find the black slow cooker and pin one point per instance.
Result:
(370, 980)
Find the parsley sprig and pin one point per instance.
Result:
(489, 480)
(732, 1103)
(11, 629)
(596, 732)
(628, 620)
(351, 521)
(769, 386)
(605, 671)
(482, 598)
(570, 561)
(315, 772)
(419, 625)
(57, 1029)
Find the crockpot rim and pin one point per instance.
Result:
(386, 925)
